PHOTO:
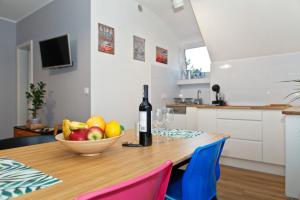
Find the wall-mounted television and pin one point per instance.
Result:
(56, 52)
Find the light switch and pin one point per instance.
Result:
(86, 91)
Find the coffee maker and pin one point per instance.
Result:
(219, 96)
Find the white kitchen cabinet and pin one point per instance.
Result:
(273, 137)
(256, 135)
(207, 120)
(243, 149)
(179, 122)
(239, 114)
(292, 176)
(191, 118)
(241, 129)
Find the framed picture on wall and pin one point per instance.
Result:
(138, 48)
(161, 55)
(106, 39)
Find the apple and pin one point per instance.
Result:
(79, 134)
(95, 133)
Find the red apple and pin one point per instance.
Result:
(79, 134)
(95, 133)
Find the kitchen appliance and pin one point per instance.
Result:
(219, 96)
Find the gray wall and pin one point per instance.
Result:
(8, 78)
(65, 96)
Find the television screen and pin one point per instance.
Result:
(56, 52)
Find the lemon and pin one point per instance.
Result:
(96, 121)
(113, 129)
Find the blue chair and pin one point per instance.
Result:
(198, 181)
(218, 171)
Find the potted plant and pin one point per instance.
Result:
(35, 96)
(294, 95)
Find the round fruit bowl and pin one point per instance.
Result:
(88, 147)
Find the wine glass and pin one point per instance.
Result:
(158, 118)
(158, 121)
(168, 117)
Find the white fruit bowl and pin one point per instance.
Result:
(88, 147)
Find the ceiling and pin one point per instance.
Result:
(181, 21)
(16, 10)
(234, 29)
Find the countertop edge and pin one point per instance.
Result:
(266, 107)
(292, 111)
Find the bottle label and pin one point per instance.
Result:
(143, 121)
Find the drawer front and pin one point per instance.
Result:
(207, 120)
(243, 149)
(241, 129)
(239, 114)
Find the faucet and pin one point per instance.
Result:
(198, 94)
(198, 100)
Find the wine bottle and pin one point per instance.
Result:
(145, 120)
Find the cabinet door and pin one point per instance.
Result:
(292, 175)
(179, 122)
(191, 118)
(241, 129)
(273, 137)
(243, 149)
(207, 120)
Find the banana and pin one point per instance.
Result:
(66, 128)
(77, 125)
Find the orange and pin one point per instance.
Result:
(113, 129)
(96, 121)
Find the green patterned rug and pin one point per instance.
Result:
(176, 133)
(17, 179)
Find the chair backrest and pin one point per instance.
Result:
(25, 141)
(151, 186)
(199, 179)
(218, 171)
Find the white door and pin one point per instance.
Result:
(24, 76)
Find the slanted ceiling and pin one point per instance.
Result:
(235, 29)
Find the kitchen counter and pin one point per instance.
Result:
(265, 107)
(295, 110)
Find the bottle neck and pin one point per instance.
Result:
(145, 99)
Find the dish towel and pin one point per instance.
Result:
(17, 179)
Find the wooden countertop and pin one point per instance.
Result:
(295, 110)
(265, 107)
(81, 174)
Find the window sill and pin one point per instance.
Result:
(193, 81)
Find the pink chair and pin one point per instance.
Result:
(151, 186)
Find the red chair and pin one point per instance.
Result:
(151, 186)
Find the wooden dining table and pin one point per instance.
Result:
(80, 174)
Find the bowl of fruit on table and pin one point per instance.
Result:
(89, 138)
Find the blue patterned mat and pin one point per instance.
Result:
(176, 133)
(17, 179)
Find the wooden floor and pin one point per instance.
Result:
(239, 184)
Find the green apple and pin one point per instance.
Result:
(95, 133)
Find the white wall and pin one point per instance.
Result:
(190, 91)
(257, 80)
(8, 78)
(116, 80)
(65, 86)
(254, 45)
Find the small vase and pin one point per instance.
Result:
(35, 121)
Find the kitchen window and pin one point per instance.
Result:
(197, 58)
